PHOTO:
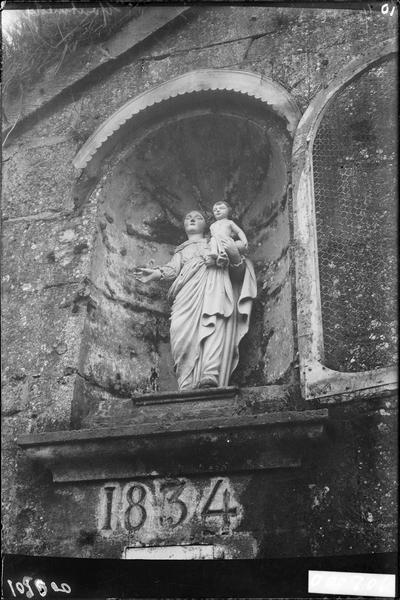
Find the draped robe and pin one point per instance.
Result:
(210, 315)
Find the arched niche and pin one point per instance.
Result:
(186, 152)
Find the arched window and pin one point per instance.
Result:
(345, 205)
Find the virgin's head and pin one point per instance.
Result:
(195, 223)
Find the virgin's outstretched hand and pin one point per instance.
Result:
(146, 275)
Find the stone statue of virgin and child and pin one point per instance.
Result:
(212, 292)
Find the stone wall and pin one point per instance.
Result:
(61, 227)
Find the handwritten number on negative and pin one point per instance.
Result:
(386, 9)
(27, 587)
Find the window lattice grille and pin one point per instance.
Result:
(354, 164)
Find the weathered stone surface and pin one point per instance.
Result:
(70, 240)
(38, 178)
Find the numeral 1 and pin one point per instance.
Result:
(12, 587)
(109, 506)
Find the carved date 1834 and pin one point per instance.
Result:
(168, 504)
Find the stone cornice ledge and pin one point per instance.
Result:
(239, 443)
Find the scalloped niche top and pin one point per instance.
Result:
(256, 86)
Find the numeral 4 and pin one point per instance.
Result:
(226, 511)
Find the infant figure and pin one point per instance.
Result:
(223, 228)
